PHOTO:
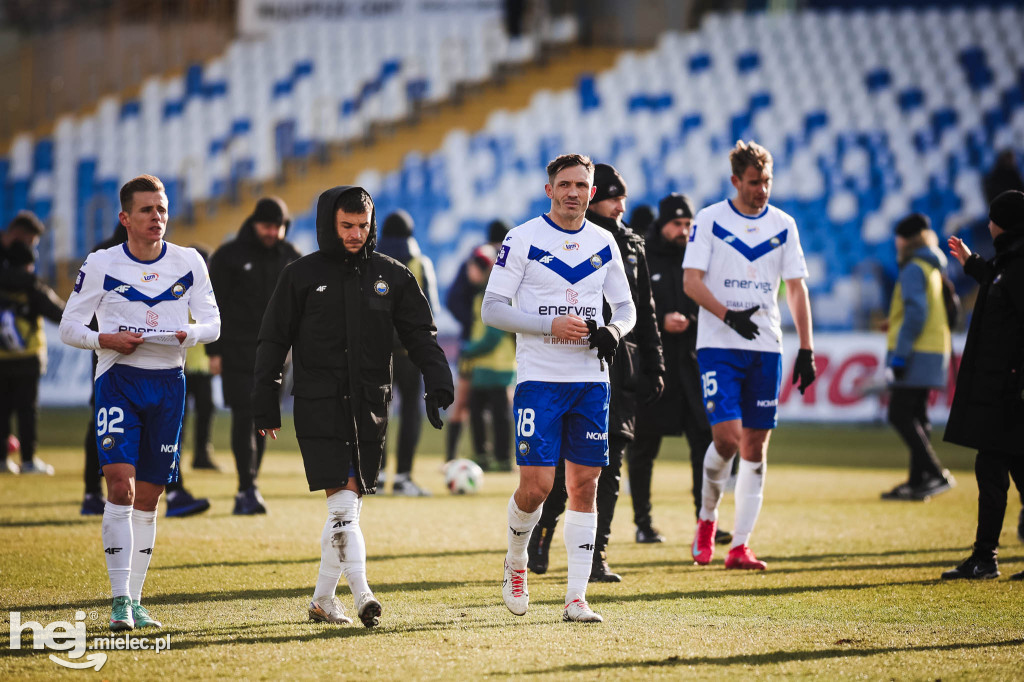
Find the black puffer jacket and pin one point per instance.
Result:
(243, 273)
(988, 406)
(682, 398)
(337, 312)
(639, 352)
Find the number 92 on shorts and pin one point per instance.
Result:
(138, 420)
(555, 419)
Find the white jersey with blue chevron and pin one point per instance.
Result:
(548, 271)
(744, 259)
(151, 297)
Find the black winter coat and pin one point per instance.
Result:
(337, 312)
(682, 399)
(243, 273)
(988, 405)
(639, 353)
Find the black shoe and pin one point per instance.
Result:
(539, 549)
(1017, 576)
(181, 503)
(934, 485)
(92, 504)
(207, 464)
(249, 502)
(723, 537)
(973, 569)
(904, 491)
(600, 573)
(648, 535)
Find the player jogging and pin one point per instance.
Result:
(738, 252)
(549, 283)
(141, 293)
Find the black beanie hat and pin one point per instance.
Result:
(672, 207)
(608, 182)
(641, 218)
(497, 230)
(397, 224)
(912, 225)
(1007, 211)
(19, 254)
(271, 210)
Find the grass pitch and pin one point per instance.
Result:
(852, 589)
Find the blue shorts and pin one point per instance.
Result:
(741, 384)
(138, 420)
(555, 420)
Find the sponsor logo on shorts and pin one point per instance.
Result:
(768, 403)
(596, 435)
(150, 276)
(172, 448)
(107, 443)
(178, 290)
(380, 287)
(524, 447)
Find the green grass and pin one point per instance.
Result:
(852, 589)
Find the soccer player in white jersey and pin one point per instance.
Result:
(141, 293)
(548, 285)
(739, 251)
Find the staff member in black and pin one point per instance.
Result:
(338, 309)
(681, 408)
(244, 272)
(636, 376)
(988, 405)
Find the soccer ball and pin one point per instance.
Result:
(463, 477)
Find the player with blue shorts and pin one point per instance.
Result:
(548, 285)
(141, 293)
(740, 251)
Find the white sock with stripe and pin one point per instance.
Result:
(716, 475)
(143, 539)
(749, 498)
(117, 545)
(579, 534)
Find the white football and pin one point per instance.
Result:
(463, 477)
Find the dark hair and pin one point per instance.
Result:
(353, 201)
(27, 221)
(750, 154)
(568, 161)
(143, 183)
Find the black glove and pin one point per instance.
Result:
(739, 320)
(437, 401)
(804, 370)
(605, 340)
(655, 386)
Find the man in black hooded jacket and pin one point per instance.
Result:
(244, 272)
(636, 377)
(337, 310)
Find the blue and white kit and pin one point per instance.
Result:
(744, 259)
(140, 397)
(561, 401)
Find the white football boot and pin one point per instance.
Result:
(578, 611)
(328, 610)
(513, 590)
(368, 609)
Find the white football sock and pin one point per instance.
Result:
(579, 534)
(716, 474)
(520, 525)
(143, 539)
(117, 545)
(345, 542)
(330, 564)
(749, 496)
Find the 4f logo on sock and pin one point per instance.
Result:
(148, 550)
(112, 550)
(518, 533)
(341, 524)
(588, 547)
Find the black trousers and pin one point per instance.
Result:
(200, 387)
(908, 413)
(19, 396)
(492, 402)
(640, 465)
(607, 495)
(993, 470)
(409, 383)
(246, 444)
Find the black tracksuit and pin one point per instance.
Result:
(243, 273)
(988, 406)
(338, 312)
(681, 408)
(638, 357)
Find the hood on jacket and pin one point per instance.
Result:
(327, 232)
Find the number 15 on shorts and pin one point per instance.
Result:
(709, 384)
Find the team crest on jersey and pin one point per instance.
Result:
(596, 261)
(107, 443)
(380, 287)
(150, 276)
(775, 242)
(152, 318)
(178, 290)
(571, 246)
(524, 447)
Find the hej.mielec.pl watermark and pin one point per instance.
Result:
(70, 637)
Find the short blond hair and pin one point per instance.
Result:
(750, 154)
